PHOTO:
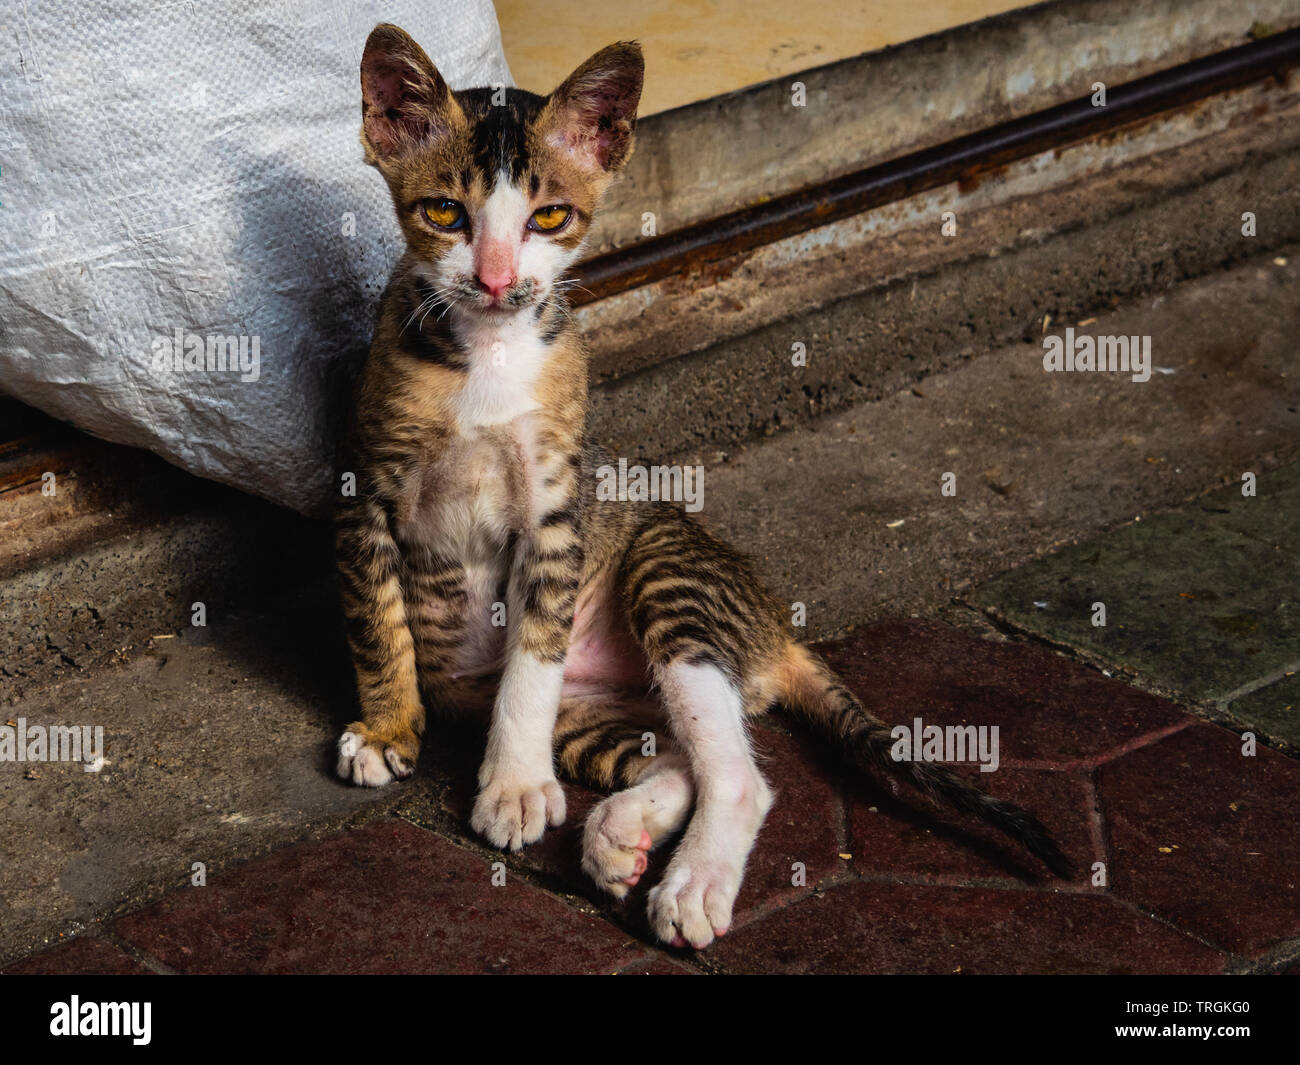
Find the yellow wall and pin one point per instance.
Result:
(701, 48)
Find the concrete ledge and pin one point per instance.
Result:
(697, 162)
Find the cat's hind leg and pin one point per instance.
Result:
(708, 632)
(618, 741)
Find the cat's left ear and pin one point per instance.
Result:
(592, 116)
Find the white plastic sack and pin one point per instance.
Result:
(176, 174)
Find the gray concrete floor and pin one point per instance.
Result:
(1040, 459)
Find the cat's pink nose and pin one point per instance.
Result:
(495, 284)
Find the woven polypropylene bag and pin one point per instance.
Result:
(187, 177)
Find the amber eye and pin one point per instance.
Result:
(549, 219)
(445, 214)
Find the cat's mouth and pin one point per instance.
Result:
(520, 296)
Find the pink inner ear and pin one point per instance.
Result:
(599, 111)
(398, 106)
(587, 144)
(596, 129)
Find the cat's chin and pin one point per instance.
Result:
(495, 315)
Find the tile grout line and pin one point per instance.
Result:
(1279, 957)
(1097, 825)
(141, 955)
(1157, 918)
(658, 956)
(1205, 711)
(1139, 743)
(541, 883)
(1223, 701)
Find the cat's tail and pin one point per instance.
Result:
(815, 695)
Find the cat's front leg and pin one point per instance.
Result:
(519, 795)
(386, 742)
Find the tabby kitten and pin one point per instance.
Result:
(476, 488)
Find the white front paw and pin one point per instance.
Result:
(371, 764)
(510, 813)
(362, 763)
(693, 904)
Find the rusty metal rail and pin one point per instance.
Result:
(964, 158)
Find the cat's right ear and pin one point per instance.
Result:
(404, 101)
(592, 116)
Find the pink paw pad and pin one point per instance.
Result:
(641, 860)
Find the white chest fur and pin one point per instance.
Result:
(504, 363)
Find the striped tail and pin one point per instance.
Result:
(815, 695)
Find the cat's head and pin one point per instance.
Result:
(495, 189)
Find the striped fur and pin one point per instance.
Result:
(635, 645)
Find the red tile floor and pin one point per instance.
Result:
(1186, 851)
